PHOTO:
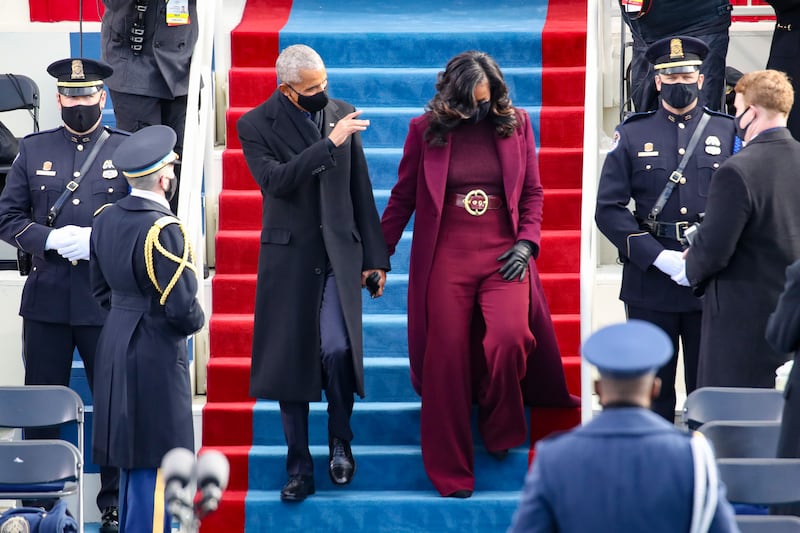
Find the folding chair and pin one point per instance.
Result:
(731, 403)
(768, 524)
(19, 92)
(41, 468)
(742, 438)
(761, 481)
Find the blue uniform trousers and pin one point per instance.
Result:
(141, 496)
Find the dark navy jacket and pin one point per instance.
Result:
(143, 399)
(647, 148)
(56, 290)
(626, 470)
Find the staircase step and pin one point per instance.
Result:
(235, 293)
(382, 512)
(237, 251)
(559, 168)
(385, 468)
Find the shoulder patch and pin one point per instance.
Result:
(615, 140)
(637, 116)
(101, 209)
(717, 113)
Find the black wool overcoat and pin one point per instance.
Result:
(317, 207)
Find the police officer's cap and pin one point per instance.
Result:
(628, 350)
(674, 55)
(78, 76)
(146, 151)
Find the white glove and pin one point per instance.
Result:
(78, 247)
(59, 237)
(670, 262)
(680, 277)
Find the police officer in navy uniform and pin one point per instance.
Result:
(643, 469)
(647, 149)
(58, 310)
(142, 271)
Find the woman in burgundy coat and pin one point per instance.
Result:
(479, 329)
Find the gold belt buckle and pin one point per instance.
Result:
(476, 202)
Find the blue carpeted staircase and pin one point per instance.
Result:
(383, 58)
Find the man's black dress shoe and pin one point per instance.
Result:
(342, 466)
(460, 494)
(110, 520)
(298, 488)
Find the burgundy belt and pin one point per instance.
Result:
(476, 201)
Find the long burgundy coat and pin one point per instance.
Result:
(420, 187)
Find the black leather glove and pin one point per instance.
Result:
(516, 260)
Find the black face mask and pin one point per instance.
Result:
(737, 121)
(313, 103)
(81, 118)
(679, 95)
(480, 112)
(170, 192)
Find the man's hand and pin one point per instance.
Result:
(78, 246)
(346, 127)
(670, 262)
(381, 283)
(516, 260)
(59, 237)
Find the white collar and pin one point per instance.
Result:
(150, 195)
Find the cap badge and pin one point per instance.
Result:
(77, 70)
(675, 49)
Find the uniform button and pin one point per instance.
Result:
(716, 165)
(34, 268)
(681, 125)
(111, 189)
(42, 187)
(320, 226)
(681, 151)
(80, 148)
(683, 180)
(317, 271)
(684, 210)
(76, 201)
(74, 263)
(648, 167)
(76, 174)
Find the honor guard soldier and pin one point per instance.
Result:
(664, 160)
(59, 179)
(142, 272)
(645, 472)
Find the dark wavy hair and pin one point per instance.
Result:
(454, 100)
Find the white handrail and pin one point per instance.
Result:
(196, 159)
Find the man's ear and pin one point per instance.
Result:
(656, 390)
(700, 79)
(658, 82)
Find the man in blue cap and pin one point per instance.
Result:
(142, 272)
(627, 469)
(664, 160)
(59, 179)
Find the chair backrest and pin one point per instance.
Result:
(24, 463)
(19, 92)
(731, 403)
(761, 481)
(39, 406)
(768, 524)
(742, 439)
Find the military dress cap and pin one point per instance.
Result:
(629, 349)
(148, 150)
(78, 76)
(674, 55)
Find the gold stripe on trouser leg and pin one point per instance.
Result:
(158, 504)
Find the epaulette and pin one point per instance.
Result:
(152, 243)
(716, 113)
(42, 132)
(101, 208)
(637, 116)
(109, 129)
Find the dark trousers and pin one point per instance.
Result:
(47, 352)
(338, 380)
(643, 88)
(464, 277)
(789, 440)
(683, 327)
(134, 112)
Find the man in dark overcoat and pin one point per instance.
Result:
(320, 239)
(647, 148)
(142, 272)
(750, 234)
(57, 308)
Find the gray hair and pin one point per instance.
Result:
(147, 182)
(295, 58)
